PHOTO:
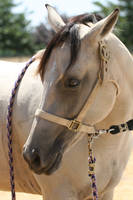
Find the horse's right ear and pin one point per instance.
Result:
(104, 27)
(54, 18)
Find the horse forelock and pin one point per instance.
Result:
(69, 32)
(85, 18)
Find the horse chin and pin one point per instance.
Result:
(52, 167)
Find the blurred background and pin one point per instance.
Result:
(24, 28)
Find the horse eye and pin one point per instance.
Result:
(72, 83)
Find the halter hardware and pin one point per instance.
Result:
(74, 125)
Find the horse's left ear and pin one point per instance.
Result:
(54, 18)
(105, 26)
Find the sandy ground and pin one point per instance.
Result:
(16, 59)
(124, 191)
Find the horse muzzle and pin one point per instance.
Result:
(42, 166)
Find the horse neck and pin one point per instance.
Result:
(122, 69)
(123, 58)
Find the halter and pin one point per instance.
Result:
(77, 124)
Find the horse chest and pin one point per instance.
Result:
(112, 153)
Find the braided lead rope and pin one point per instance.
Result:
(9, 127)
(91, 170)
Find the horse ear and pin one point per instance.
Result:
(54, 18)
(105, 26)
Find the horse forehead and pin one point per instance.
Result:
(62, 58)
(61, 54)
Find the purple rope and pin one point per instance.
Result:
(9, 128)
(91, 162)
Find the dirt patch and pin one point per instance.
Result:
(19, 196)
(16, 59)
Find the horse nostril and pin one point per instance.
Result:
(36, 158)
(32, 157)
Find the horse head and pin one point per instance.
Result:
(70, 69)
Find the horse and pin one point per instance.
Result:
(60, 81)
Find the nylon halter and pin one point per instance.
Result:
(77, 124)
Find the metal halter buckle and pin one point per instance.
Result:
(74, 125)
